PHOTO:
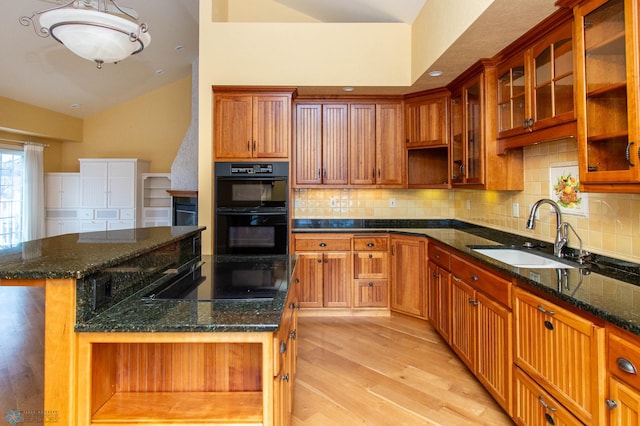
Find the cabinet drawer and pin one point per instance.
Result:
(370, 265)
(370, 243)
(624, 359)
(490, 284)
(439, 256)
(372, 293)
(330, 243)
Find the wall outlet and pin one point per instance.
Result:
(468, 204)
(392, 202)
(296, 203)
(516, 210)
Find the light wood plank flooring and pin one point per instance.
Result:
(384, 371)
(370, 371)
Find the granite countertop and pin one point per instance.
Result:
(78, 255)
(138, 315)
(606, 288)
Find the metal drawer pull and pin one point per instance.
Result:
(370, 256)
(474, 277)
(370, 244)
(473, 302)
(544, 311)
(626, 365)
(323, 244)
(545, 405)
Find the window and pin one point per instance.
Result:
(11, 170)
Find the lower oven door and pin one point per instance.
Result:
(251, 233)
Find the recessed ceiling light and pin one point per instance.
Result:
(348, 89)
(179, 47)
(435, 73)
(75, 105)
(159, 71)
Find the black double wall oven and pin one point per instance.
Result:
(251, 208)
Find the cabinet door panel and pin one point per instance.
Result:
(407, 276)
(390, 153)
(271, 126)
(310, 272)
(121, 184)
(233, 135)
(463, 321)
(362, 142)
(335, 145)
(627, 411)
(308, 135)
(337, 280)
(494, 363)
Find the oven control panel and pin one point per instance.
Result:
(251, 169)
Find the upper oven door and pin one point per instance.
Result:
(251, 193)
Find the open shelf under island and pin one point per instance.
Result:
(120, 349)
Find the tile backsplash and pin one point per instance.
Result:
(612, 227)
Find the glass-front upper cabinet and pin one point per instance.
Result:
(608, 119)
(536, 83)
(466, 146)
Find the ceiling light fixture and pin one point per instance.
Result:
(348, 89)
(96, 30)
(435, 73)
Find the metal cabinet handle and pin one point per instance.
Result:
(627, 154)
(293, 334)
(436, 275)
(254, 145)
(545, 405)
(626, 366)
(248, 145)
(611, 404)
(370, 256)
(437, 256)
(370, 244)
(323, 244)
(319, 260)
(544, 311)
(370, 283)
(285, 377)
(283, 347)
(474, 277)
(473, 302)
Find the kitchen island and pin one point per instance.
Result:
(116, 355)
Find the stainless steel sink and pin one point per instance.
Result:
(522, 258)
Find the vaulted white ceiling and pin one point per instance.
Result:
(42, 72)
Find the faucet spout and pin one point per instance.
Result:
(561, 238)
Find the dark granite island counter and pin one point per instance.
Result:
(115, 357)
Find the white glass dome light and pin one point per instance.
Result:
(96, 36)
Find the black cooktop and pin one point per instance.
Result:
(228, 278)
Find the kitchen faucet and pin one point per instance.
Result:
(561, 236)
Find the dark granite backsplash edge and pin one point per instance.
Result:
(612, 267)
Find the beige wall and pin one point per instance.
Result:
(613, 221)
(150, 127)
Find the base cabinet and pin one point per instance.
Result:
(561, 351)
(408, 266)
(324, 265)
(371, 271)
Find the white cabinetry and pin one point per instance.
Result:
(111, 188)
(156, 201)
(62, 203)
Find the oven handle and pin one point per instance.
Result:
(252, 213)
(169, 274)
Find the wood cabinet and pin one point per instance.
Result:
(408, 266)
(285, 366)
(427, 138)
(481, 326)
(532, 405)
(252, 122)
(324, 266)
(623, 364)
(438, 290)
(376, 152)
(321, 144)
(536, 84)
(562, 352)
(371, 271)
(606, 34)
(476, 159)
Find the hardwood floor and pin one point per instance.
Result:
(356, 370)
(384, 371)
